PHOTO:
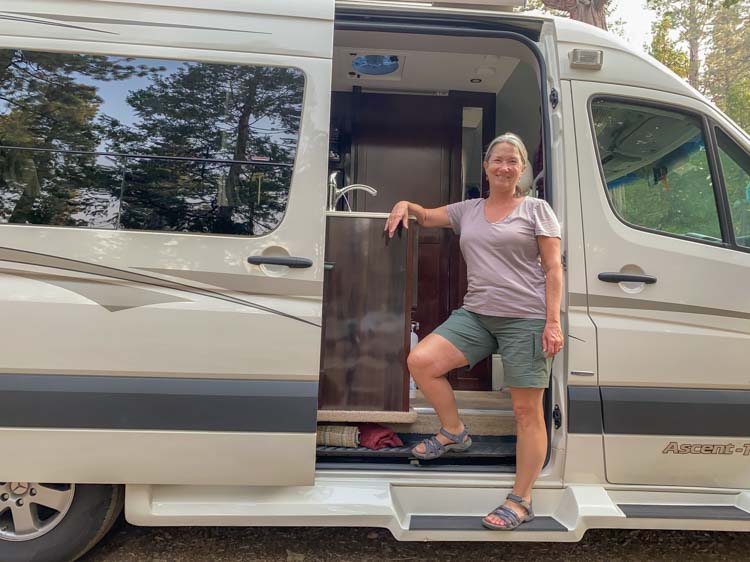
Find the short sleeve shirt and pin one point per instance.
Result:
(504, 268)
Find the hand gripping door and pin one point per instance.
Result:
(164, 281)
(672, 318)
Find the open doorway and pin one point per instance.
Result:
(411, 116)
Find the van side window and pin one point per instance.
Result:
(144, 144)
(656, 169)
(735, 167)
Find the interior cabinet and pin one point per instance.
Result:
(370, 287)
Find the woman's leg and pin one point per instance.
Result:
(429, 362)
(531, 444)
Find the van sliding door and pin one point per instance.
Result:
(162, 224)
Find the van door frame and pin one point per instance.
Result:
(355, 19)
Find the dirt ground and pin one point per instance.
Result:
(126, 543)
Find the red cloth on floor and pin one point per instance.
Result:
(376, 436)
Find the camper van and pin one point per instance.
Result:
(201, 315)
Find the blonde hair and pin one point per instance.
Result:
(513, 140)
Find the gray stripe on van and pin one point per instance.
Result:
(584, 409)
(600, 301)
(676, 411)
(144, 403)
(659, 411)
(8, 16)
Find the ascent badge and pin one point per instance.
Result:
(673, 447)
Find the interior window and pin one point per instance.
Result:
(735, 165)
(124, 143)
(656, 168)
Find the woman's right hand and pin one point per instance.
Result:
(399, 215)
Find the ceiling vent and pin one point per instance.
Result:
(376, 66)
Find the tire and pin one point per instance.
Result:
(92, 512)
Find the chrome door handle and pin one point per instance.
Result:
(615, 277)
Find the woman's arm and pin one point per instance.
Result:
(549, 250)
(429, 218)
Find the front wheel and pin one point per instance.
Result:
(54, 522)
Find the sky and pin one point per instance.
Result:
(637, 20)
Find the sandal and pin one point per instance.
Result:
(433, 448)
(510, 517)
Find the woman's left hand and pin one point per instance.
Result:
(552, 339)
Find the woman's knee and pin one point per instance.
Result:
(528, 414)
(422, 365)
(418, 362)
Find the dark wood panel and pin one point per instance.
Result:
(367, 300)
(404, 148)
(409, 147)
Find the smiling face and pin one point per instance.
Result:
(503, 167)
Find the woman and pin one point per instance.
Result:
(511, 245)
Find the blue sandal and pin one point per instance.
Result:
(434, 448)
(510, 517)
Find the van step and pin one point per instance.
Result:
(467, 523)
(483, 447)
(715, 512)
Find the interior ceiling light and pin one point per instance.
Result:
(376, 65)
(475, 80)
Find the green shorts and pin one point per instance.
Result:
(517, 340)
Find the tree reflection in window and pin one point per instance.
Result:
(111, 142)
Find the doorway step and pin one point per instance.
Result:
(498, 450)
(488, 413)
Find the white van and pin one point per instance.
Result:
(194, 280)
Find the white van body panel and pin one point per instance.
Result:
(162, 295)
(621, 63)
(155, 307)
(687, 333)
(696, 317)
(287, 27)
(177, 457)
(403, 507)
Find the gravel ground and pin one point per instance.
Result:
(126, 543)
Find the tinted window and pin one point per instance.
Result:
(656, 168)
(735, 165)
(112, 142)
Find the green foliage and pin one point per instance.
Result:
(665, 50)
(737, 103)
(727, 74)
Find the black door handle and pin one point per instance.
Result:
(615, 277)
(288, 261)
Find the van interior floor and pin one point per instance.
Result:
(487, 415)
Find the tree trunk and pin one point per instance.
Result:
(229, 196)
(695, 63)
(693, 36)
(588, 11)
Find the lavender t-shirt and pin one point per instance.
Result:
(504, 268)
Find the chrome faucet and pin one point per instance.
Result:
(334, 193)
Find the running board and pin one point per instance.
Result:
(707, 512)
(464, 523)
(441, 507)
